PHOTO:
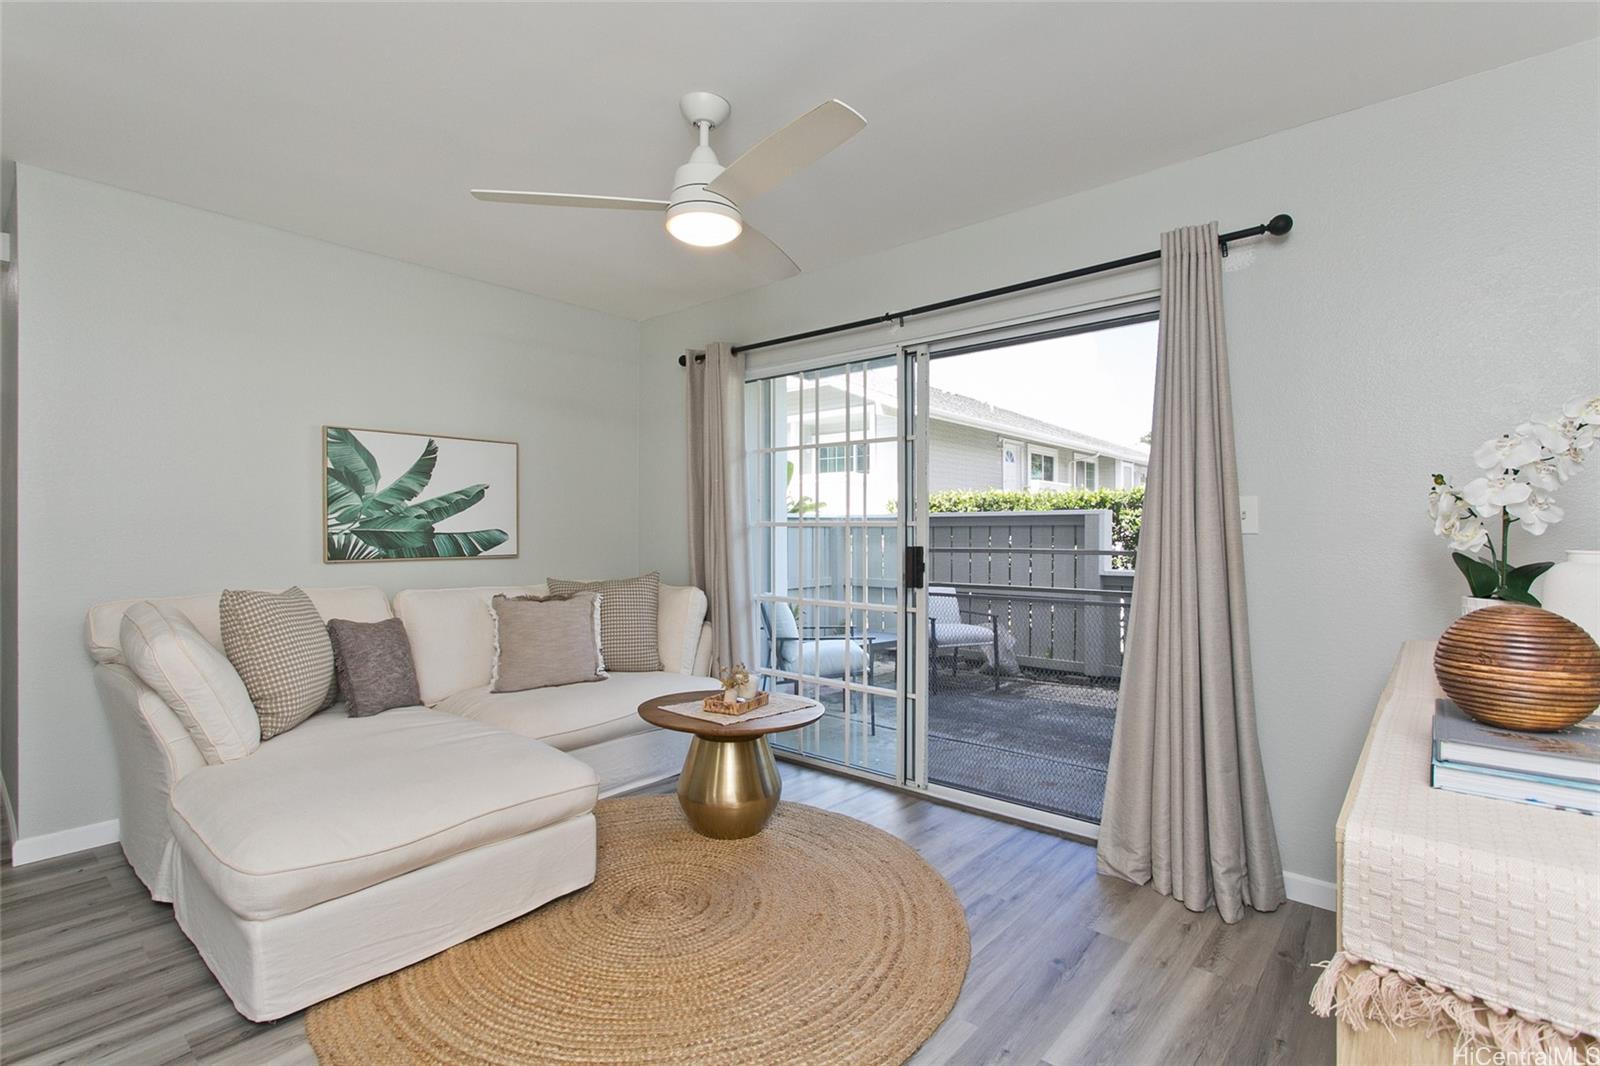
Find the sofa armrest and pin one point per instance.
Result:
(702, 652)
(154, 753)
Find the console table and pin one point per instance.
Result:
(1456, 914)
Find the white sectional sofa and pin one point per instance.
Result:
(347, 848)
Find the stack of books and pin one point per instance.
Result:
(1560, 769)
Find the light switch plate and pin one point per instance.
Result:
(1250, 514)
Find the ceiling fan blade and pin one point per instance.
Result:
(794, 147)
(764, 258)
(569, 199)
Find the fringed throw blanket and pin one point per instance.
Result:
(1472, 917)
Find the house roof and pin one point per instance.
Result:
(967, 410)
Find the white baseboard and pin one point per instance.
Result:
(1310, 891)
(1298, 887)
(50, 845)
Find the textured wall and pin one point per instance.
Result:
(1442, 283)
(176, 368)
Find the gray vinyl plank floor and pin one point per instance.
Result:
(1067, 967)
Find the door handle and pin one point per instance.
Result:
(915, 574)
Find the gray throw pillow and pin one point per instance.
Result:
(544, 641)
(279, 644)
(630, 619)
(373, 661)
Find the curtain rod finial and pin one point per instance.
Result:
(1279, 225)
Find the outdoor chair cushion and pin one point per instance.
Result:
(963, 634)
(826, 657)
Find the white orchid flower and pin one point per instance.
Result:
(1568, 462)
(1442, 499)
(1487, 495)
(1467, 534)
(1537, 513)
(1544, 475)
(1505, 452)
(1583, 408)
(1554, 434)
(1445, 507)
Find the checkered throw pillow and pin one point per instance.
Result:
(280, 646)
(630, 619)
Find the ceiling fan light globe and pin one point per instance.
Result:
(704, 225)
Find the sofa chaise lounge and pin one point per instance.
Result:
(347, 848)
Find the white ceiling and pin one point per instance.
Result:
(365, 124)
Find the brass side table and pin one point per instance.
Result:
(729, 786)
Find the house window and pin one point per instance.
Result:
(1041, 466)
(1086, 473)
(837, 458)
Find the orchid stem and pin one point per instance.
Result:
(1505, 548)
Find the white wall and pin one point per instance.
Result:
(176, 369)
(1441, 284)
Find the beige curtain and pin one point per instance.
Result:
(719, 558)
(1186, 801)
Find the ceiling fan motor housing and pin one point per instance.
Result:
(705, 111)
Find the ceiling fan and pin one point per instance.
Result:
(705, 209)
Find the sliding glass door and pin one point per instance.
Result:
(1030, 575)
(945, 545)
(826, 474)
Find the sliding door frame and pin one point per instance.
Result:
(912, 666)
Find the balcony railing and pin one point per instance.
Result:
(1049, 577)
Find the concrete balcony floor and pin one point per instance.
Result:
(1042, 740)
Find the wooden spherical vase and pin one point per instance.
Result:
(1519, 668)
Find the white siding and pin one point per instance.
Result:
(963, 458)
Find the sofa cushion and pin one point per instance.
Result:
(575, 716)
(630, 619)
(452, 633)
(339, 803)
(102, 628)
(683, 611)
(195, 679)
(281, 648)
(540, 641)
(373, 663)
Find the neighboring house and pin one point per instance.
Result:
(974, 445)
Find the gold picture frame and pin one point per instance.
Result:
(369, 515)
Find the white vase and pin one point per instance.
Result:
(1473, 603)
(1572, 590)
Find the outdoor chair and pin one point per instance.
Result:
(950, 628)
(820, 651)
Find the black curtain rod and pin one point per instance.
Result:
(1277, 227)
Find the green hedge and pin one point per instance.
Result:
(1126, 507)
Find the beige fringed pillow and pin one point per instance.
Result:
(630, 619)
(546, 640)
(280, 646)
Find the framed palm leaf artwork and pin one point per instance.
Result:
(417, 496)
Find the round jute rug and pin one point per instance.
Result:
(820, 940)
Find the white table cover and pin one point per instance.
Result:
(777, 703)
(1472, 897)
